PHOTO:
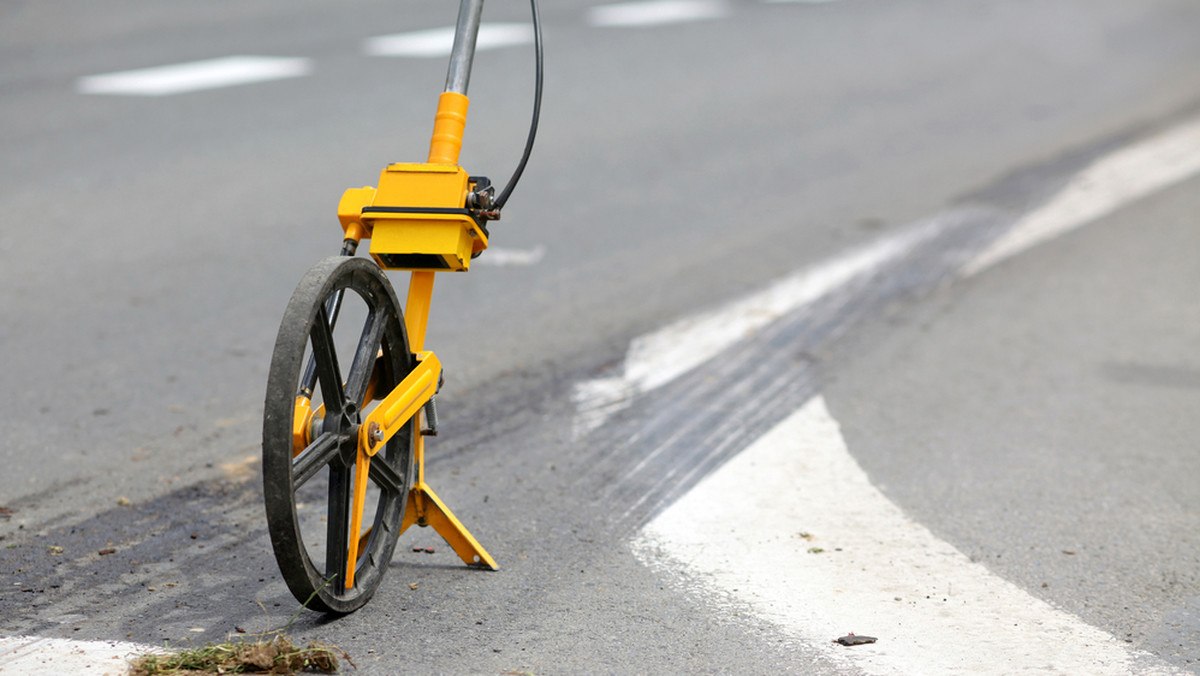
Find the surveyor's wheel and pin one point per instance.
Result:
(341, 344)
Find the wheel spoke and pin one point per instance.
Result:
(337, 540)
(328, 373)
(363, 541)
(310, 461)
(388, 480)
(332, 307)
(364, 357)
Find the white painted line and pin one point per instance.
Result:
(658, 358)
(437, 42)
(656, 12)
(512, 258)
(35, 656)
(195, 76)
(745, 536)
(1107, 185)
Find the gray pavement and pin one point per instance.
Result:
(148, 247)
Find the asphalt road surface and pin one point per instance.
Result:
(610, 360)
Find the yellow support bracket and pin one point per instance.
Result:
(401, 404)
(425, 508)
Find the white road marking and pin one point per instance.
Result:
(195, 76)
(35, 656)
(1107, 185)
(748, 535)
(437, 42)
(662, 356)
(511, 258)
(738, 533)
(658, 358)
(656, 12)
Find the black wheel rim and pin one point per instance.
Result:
(307, 492)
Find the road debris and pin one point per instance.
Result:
(277, 656)
(851, 639)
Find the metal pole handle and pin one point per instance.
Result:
(463, 53)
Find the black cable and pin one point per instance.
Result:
(537, 107)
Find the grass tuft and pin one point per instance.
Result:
(274, 656)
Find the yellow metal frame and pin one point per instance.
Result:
(416, 220)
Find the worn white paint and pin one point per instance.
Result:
(511, 258)
(37, 656)
(658, 358)
(1105, 186)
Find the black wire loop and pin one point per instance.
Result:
(537, 107)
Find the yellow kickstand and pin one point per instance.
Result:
(425, 508)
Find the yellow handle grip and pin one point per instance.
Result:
(448, 126)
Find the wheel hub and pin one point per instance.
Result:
(345, 425)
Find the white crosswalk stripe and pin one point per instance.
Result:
(231, 71)
(437, 42)
(656, 12)
(195, 75)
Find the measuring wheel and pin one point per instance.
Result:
(341, 345)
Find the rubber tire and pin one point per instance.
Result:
(316, 586)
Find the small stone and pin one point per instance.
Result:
(123, 501)
(851, 639)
